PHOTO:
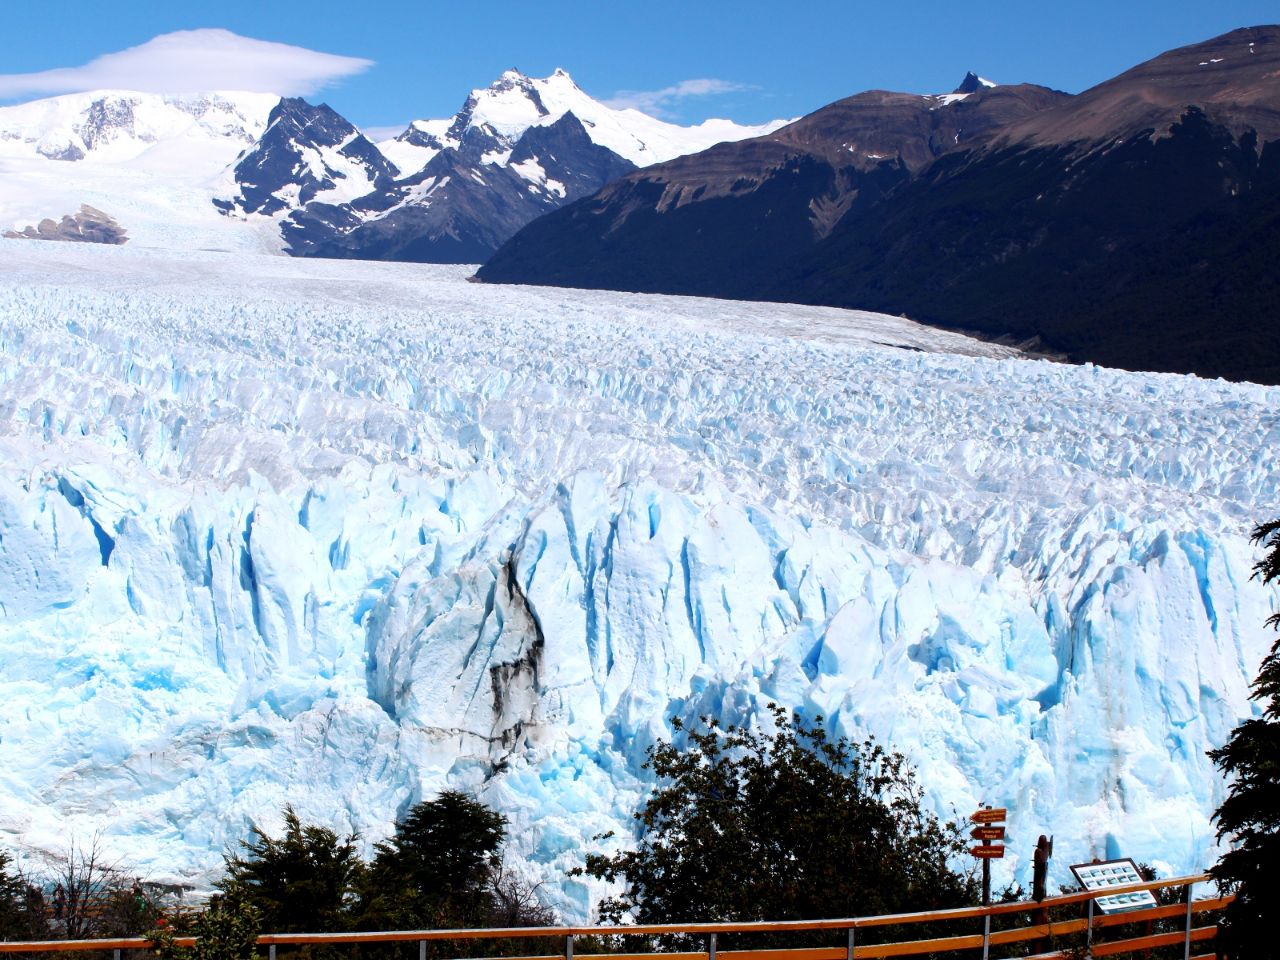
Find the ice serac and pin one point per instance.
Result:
(261, 543)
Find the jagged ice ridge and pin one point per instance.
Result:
(342, 534)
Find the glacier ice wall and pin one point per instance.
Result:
(343, 534)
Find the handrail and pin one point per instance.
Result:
(901, 948)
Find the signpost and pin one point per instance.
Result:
(989, 833)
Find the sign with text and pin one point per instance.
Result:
(1114, 873)
(987, 834)
(986, 852)
(990, 815)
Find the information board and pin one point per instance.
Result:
(1114, 873)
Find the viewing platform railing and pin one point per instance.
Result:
(1192, 938)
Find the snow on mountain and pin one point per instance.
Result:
(151, 162)
(462, 205)
(112, 126)
(163, 167)
(503, 111)
(421, 140)
(342, 534)
(516, 150)
(972, 83)
(307, 153)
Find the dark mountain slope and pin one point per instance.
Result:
(1133, 225)
(1141, 240)
(1153, 254)
(730, 220)
(1233, 78)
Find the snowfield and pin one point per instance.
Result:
(340, 534)
(153, 163)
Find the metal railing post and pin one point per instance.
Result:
(986, 936)
(116, 953)
(1186, 944)
(271, 952)
(853, 938)
(422, 950)
(568, 947)
(1088, 936)
(711, 946)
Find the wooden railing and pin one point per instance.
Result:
(1188, 936)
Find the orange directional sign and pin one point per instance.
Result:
(987, 834)
(988, 815)
(985, 852)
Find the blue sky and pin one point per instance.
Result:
(396, 60)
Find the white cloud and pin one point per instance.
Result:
(193, 61)
(660, 102)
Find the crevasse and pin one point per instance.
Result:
(343, 534)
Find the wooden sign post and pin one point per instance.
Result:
(989, 833)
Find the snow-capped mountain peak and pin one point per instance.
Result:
(148, 162)
(161, 167)
(972, 83)
(505, 109)
(493, 118)
(307, 152)
(116, 125)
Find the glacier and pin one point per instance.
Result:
(342, 534)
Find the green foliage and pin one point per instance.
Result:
(225, 930)
(438, 868)
(13, 901)
(306, 881)
(1250, 815)
(441, 869)
(789, 825)
(128, 909)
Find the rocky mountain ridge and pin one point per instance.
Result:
(516, 150)
(1131, 224)
(460, 208)
(229, 171)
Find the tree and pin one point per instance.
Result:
(1250, 815)
(790, 825)
(516, 904)
(225, 930)
(13, 901)
(89, 895)
(439, 867)
(306, 881)
(79, 894)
